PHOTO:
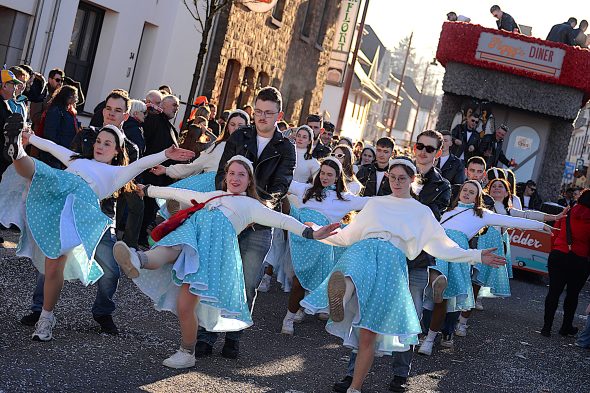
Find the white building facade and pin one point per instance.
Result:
(136, 45)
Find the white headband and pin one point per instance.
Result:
(401, 161)
(241, 112)
(370, 148)
(117, 131)
(243, 160)
(477, 184)
(334, 160)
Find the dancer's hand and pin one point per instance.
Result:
(325, 231)
(560, 215)
(489, 258)
(178, 154)
(25, 135)
(158, 170)
(549, 229)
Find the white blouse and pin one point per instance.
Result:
(208, 161)
(408, 225)
(470, 224)
(240, 210)
(304, 169)
(103, 179)
(354, 187)
(333, 208)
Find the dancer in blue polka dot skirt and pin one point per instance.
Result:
(199, 175)
(195, 271)
(451, 283)
(367, 293)
(326, 200)
(500, 191)
(63, 222)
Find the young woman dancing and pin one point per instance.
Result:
(196, 270)
(345, 155)
(63, 223)
(367, 292)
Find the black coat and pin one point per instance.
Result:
(535, 202)
(4, 113)
(453, 170)
(507, 23)
(460, 132)
(159, 134)
(562, 32)
(273, 169)
(367, 176)
(320, 151)
(491, 150)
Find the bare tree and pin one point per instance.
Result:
(204, 12)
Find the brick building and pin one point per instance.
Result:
(288, 48)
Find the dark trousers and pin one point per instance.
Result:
(130, 217)
(566, 271)
(150, 208)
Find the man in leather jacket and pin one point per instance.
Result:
(273, 158)
(450, 166)
(372, 176)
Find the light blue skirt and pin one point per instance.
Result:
(312, 261)
(382, 302)
(496, 279)
(61, 215)
(459, 292)
(210, 263)
(205, 182)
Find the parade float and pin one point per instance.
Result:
(536, 87)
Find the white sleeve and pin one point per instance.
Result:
(354, 187)
(177, 194)
(502, 220)
(530, 214)
(181, 171)
(357, 202)
(127, 173)
(516, 202)
(315, 167)
(436, 243)
(353, 232)
(262, 215)
(298, 189)
(61, 153)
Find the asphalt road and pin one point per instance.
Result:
(503, 351)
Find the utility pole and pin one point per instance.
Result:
(401, 82)
(350, 70)
(433, 62)
(433, 104)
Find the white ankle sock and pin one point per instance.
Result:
(431, 335)
(46, 314)
(349, 291)
(463, 320)
(290, 315)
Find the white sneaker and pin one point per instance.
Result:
(447, 341)
(288, 327)
(461, 330)
(264, 283)
(183, 358)
(127, 259)
(426, 347)
(336, 289)
(478, 304)
(44, 329)
(299, 316)
(352, 390)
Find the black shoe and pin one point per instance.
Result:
(30, 319)
(571, 331)
(12, 129)
(546, 331)
(106, 324)
(231, 349)
(398, 384)
(202, 349)
(343, 385)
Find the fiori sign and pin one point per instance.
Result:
(259, 5)
(345, 28)
(528, 56)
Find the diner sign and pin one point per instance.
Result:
(528, 56)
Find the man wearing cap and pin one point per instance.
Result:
(8, 87)
(490, 148)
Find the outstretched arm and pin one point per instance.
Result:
(61, 153)
(177, 194)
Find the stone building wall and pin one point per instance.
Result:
(264, 52)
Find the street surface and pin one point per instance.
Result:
(503, 351)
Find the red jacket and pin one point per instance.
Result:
(580, 224)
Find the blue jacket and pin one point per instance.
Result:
(134, 132)
(60, 127)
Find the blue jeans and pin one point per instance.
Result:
(107, 284)
(402, 361)
(450, 319)
(254, 245)
(584, 337)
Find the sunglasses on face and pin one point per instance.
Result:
(429, 149)
(58, 80)
(338, 155)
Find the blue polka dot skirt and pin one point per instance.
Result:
(205, 182)
(459, 292)
(312, 261)
(63, 217)
(382, 302)
(210, 263)
(496, 279)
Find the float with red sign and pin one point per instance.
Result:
(530, 250)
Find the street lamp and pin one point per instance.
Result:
(433, 63)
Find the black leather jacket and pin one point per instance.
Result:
(273, 170)
(436, 194)
(367, 176)
(453, 170)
